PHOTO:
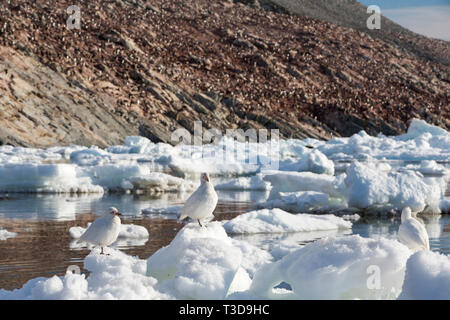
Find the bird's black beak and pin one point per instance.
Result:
(118, 214)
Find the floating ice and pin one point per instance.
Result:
(427, 277)
(161, 182)
(199, 263)
(281, 244)
(301, 201)
(132, 166)
(45, 178)
(421, 142)
(369, 187)
(429, 167)
(167, 212)
(337, 268)
(309, 160)
(289, 181)
(277, 220)
(245, 183)
(117, 276)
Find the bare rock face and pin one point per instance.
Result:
(150, 67)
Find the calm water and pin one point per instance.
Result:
(44, 247)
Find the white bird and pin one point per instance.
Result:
(103, 231)
(412, 233)
(202, 202)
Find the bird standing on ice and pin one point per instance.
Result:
(412, 233)
(103, 231)
(202, 202)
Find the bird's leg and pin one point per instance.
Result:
(102, 250)
(199, 222)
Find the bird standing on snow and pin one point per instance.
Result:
(412, 233)
(103, 231)
(202, 202)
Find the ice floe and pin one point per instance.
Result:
(421, 142)
(199, 263)
(302, 201)
(308, 160)
(255, 182)
(205, 263)
(370, 187)
(116, 276)
(337, 268)
(277, 220)
(140, 165)
(166, 212)
(427, 277)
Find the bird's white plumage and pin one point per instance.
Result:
(202, 202)
(103, 231)
(412, 233)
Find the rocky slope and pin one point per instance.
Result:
(150, 67)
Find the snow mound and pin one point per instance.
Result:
(199, 263)
(277, 220)
(349, 267)
(427, 277)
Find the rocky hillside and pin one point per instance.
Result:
(150, 67)
(352, 14)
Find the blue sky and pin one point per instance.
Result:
(430, 18)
